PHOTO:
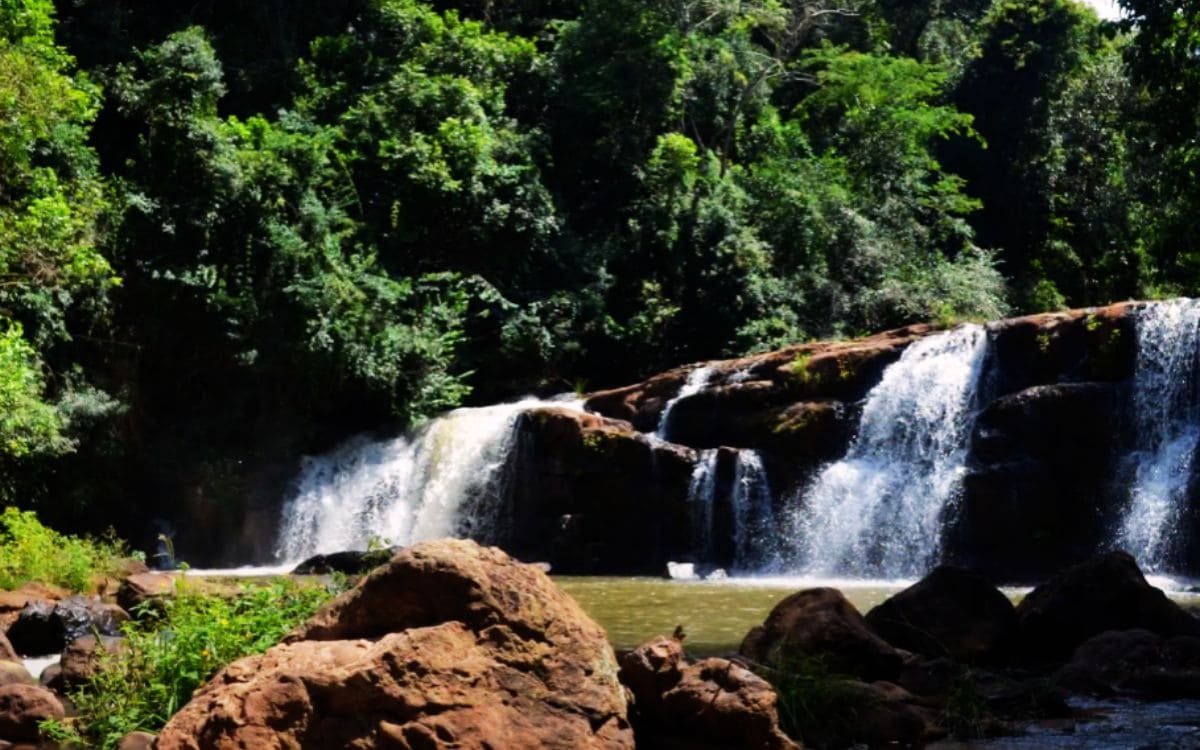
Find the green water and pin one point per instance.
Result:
(714, 615)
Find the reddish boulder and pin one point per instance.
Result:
(449, 645)
(821, 624)
(715, 704)
(22, 708)
(949, 613)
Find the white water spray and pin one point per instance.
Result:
(1167, 430)
(448, 478)
(879, 511)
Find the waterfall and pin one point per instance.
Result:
(702, 500)
(447, 478)
(1166, 430)
(753, 515)
(697, 379)
(743, 501)
(879, 511)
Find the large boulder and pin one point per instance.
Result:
(1104, 593)
(715, 704)
(449, 645)
(821, 624)
(23, 708)
(949, 613)
(1137, 663)
(45, 628)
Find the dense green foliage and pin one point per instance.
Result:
(31, 552)
(167, 655)
(231, 233)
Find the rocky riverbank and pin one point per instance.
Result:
(453, 645)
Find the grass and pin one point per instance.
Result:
(174, 650)
(816, 705)
(30, 551)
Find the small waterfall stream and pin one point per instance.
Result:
(879, 511)
(754, 535)
(743, 493)
(702, 501)
(448, 478)
(696, 381)
(1167, 430)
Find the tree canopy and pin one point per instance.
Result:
(233, 232)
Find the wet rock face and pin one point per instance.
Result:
(1036, 496)
(951, 613)
(582, 480)
(449, 645)
(821, 624)
(46, 628)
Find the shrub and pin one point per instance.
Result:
(30, 551)
(174, 650)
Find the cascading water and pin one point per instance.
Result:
(1167, 430)
(753, 516)
(702, 500)
(747, 498)
(449, 478)
(696, 381)
(879, 511)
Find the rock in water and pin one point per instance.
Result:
(822, 624)
(950, 612)
(1105, 593)
(449, 645)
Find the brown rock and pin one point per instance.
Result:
(140, 588)
(821, 624)
(22, 707)
(12, 602)
(715, 704)
(449, 645)
(950, 612)
(1105, 593)
(722, 704)
(83, 656)
(14, 672)
(6, 650)
(887, 714)
(136, 741)
(652, 669)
